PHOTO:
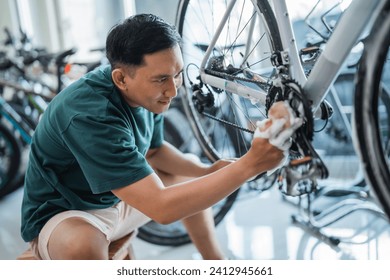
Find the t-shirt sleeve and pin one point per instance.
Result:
(106, 152)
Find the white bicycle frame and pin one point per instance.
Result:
(351, 26)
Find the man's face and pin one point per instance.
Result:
(154, 84)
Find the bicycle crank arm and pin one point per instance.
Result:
(300, 176)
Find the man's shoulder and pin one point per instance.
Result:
(94, 89)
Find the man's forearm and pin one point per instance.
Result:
(170, 160)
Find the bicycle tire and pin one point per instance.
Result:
(212, 134)
(10, 158)
(175, 234)
(333, 139)
(372, 106)
(28, 115)
(217, 139)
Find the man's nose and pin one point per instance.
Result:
(171, 89)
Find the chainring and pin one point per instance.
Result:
(291, 91)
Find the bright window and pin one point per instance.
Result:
(85, 23)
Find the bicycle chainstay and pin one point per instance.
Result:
(217, 68)
(299, 176)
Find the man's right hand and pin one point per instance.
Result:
(264, 156)
(272, 138)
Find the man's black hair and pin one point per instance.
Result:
(128, 41)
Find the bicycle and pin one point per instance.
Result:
(23, 98)
(16, 130)
(231, 81)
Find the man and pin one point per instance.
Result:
(99, 167)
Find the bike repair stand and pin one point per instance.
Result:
(349, 200)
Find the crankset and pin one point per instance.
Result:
(305, 166)
(300, 175)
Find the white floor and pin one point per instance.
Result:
(258, 227)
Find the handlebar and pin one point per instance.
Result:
(60, 59)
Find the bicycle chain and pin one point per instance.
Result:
(228, 123)
(231, 77)
(291, 180)
(264, 86)
(305, 165)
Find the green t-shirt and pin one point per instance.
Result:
(88, 142)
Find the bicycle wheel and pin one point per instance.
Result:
(333, 139)
(10, 156)
(241, 54)
(174, 234)
(372, 109)
(234, 141)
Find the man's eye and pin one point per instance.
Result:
(161, 80)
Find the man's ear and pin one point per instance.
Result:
(118, 76)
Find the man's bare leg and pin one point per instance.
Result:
(200, 226)
(76, 239)
(201, 229)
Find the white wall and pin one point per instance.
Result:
(8, 17)
(51, 27)
(165, 9)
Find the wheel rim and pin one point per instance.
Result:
(372, 110)
(220, 140)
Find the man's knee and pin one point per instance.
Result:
(77, 239)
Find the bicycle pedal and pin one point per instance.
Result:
(299, 176)
(309, 50)
(300, 161)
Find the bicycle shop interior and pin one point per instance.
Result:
(262, 223)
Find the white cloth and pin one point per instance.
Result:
(276, 134)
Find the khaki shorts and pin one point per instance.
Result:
(115, 222)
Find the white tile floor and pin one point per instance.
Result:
(258, 227)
